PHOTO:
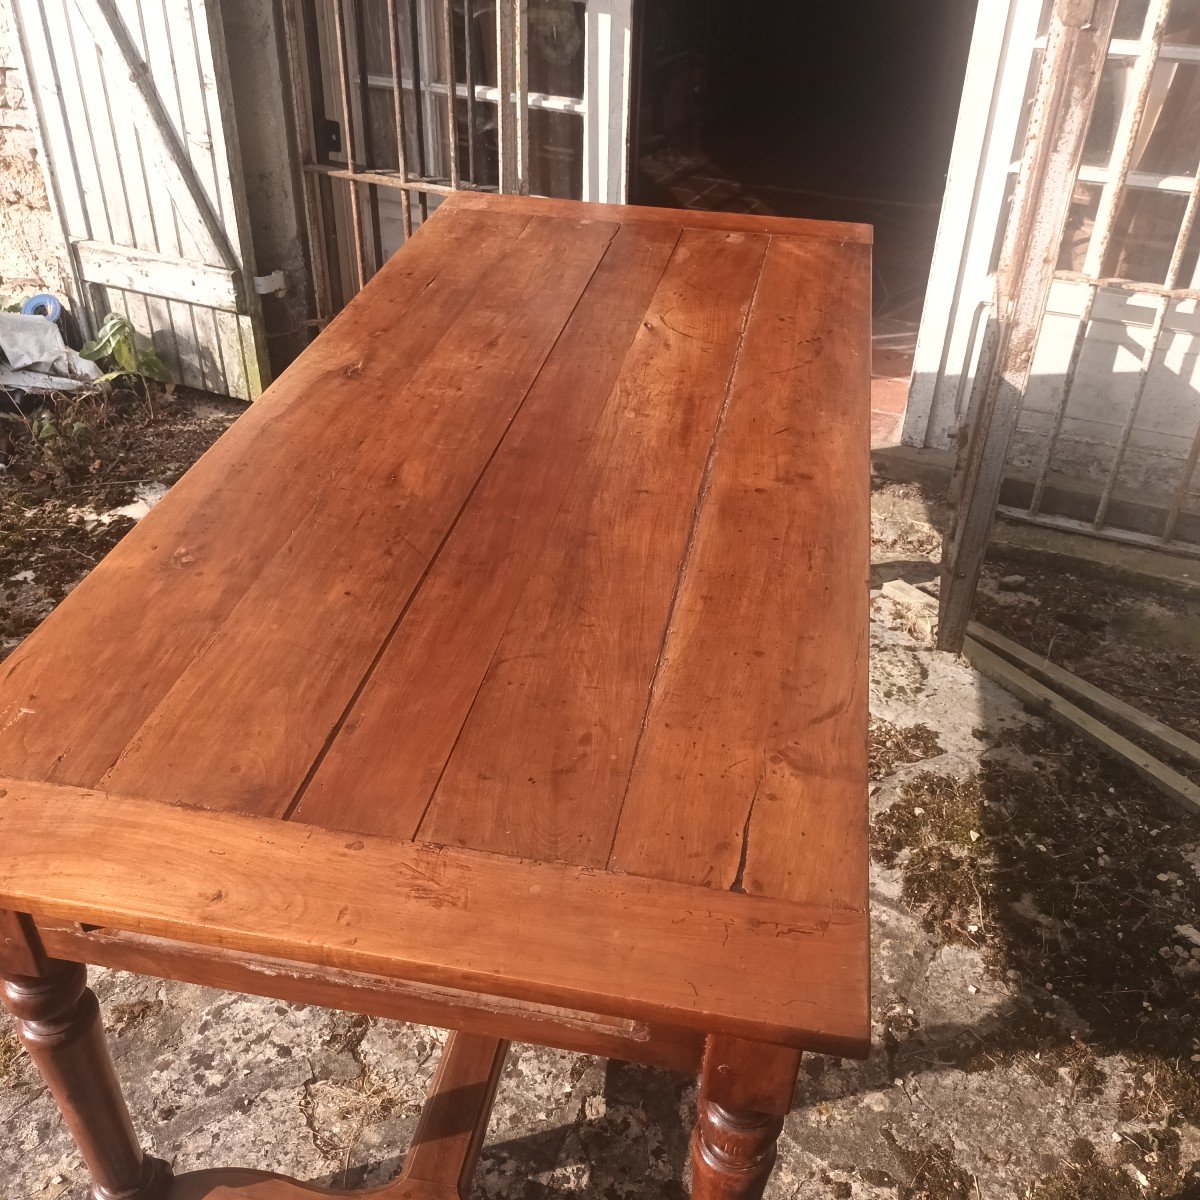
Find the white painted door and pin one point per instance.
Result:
(136, 120)
(1113, 401)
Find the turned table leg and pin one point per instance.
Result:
(58, 1021)
(745, 1091)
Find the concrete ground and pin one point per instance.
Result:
(1034, 1002)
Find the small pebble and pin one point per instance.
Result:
(1010, 583)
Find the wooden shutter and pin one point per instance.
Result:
(136, 118)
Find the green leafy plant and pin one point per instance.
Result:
(120, 349)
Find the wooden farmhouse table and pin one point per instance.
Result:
(503, 669)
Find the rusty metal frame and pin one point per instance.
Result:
(1076, 51)
(415, 184)
(1146, 53)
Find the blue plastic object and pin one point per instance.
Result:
(43, 305)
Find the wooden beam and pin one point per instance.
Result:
(1045, 700)
(172, 278)
(1049, 703)
(481, 922)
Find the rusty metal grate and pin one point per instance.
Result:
(401, 102)
(1132, 231)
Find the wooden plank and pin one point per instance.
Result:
(245, 722)
(1116, 711)
(131, 628)
(753, 967)
(751, 774)
(373, 781)
(450, 1130)
(1049, 703)
(677, 218)
(372, 995)
(21, 950)
(543, 758)
(157, 274)
(1124, 716)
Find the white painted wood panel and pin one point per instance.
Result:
(136, 116)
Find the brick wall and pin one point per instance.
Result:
(31, 250)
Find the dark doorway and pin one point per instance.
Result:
(837, 111)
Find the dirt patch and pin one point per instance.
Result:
(891, 746)
(929, 1171)
(1071, 877)
(75, 473)
(124, 1017)
(1144, 1164)
(10, 1052)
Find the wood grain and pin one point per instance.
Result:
(77, 689)
(841, 232)
(382, 769)
(751, 775)
(392, 999)
(543, 759)
(259, 702)
(757, 968)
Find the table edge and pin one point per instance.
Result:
(419, 912)
(684, 218)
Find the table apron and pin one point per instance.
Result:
(372, 995)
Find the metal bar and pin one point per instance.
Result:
(1129, 285)
(339, 20)
(398, 103)
(521, 73)
(1119, 164)
(972, 332)
(504, 82)
(1162, 305)
(390, 179)
(310, 193)
(1171, 52)
(418, 108)
(1181, 493)
(1063, 102)
(1129, 537)
(469, 73)
(451, 88)
(563, 104)
(368, 134)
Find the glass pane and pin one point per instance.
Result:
(555, 154)
(1131, 18)
(556, 39)
(1144, 234)
(1170, 145)
(1183, 23)
(483, 37)
(370, 23)
(1106, 114)
(1189, 269)
(487, 145)
(1080, 220)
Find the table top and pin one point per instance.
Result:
(543, 572)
